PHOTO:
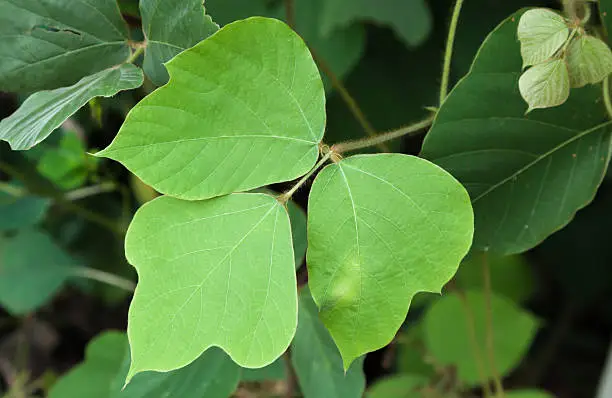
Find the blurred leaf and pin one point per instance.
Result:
(545, 85)
(46, 44)
(527, 394)
(277, 370)
(589, 61)
(32, 270)
(317, 361)
(449, 340)
(526, 174)
(411, 352)
(143, 192)
(605, 11)
(45, 111)
(397, 386)
(21, 211)
(365, 262)
(541, 32)
(94, 377)
(511, 276)
(171, 27)
(298, 232)
(67, 166)
(411, 19)
(223, 118)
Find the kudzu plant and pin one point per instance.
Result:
(243, 107)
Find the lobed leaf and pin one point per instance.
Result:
(380, 229)
(211, 273)
(545, 85)
(450, 323)
(526, 174)
(316, 360)
(238, 113)
(171, 27)
(46, 44)
(45, 111)
(589, 61)
(542, 33)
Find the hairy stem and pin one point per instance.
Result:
(86, 192)
(105, 277)
(448, 53)
(139, 50)
(287, 195)
(490, 338)
(384, 137)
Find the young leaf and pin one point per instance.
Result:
(238, 113)
(397, 386)
(21, 212)
(46, 44)
(545, 85)
(93, 378)
(380, 229)
(541, 32)
(171, 27)
(29, 278)
(449, 340)
(45, 111)
(316, 360)
(526, 174)
(211, 273)
(589, 61)
(411, 20)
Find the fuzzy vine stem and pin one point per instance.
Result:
(104, 277)
(606, 96)
(448, 52)
(287, 195)
(383, 137)
(139, 50)
(486, 273)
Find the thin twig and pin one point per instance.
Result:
(287, 195)
(490, 337)
(290, 13)
(93, 190)
(384, 137)
(12, 190)
(448, 53)
(104, 277)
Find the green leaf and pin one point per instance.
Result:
(171, 27)
(411, 20)
(46, 44)
(589, 61)
(93, 378)
(316, 360)
(448, 327)
(298, 231)
(411, 355)
(21, 212)
(541, 32)
(545, 85)
(527, 394)
(526, 174)
(66, 165)
(238, 113)
(45, 111)
(397, 386)
(277, 370)
(32, 269)
(211, 273)
(380, 229)
(511, 276)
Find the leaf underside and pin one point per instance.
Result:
(541, 32)
(589, 61)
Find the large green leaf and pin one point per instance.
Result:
(46, 44)
(542, 32)
(340, 50)
(410, 19)
(211, 273)
(398, 386)
(22, 211)
(316, 360)
(589, 61)
(239, 113)
(32, 269)
(45, 111)
(102, 375)
(526, 174)
(171, 27)
(380, 229)
(452, 323)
